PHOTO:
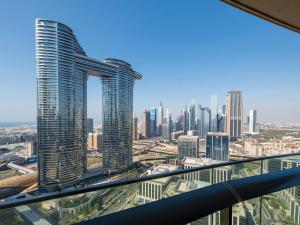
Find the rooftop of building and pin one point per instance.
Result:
(199, 161)
(161, 168)
(217, 134)
(183, 137)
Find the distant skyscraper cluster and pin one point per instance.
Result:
(215, 125)
(157, 123)
(200, 120)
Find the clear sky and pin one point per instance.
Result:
(184, 49)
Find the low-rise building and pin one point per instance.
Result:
(253, 148)
(220, 174)
(154, 189)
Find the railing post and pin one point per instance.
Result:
(226, 216)
(261, 197)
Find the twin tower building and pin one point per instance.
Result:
(62, 71)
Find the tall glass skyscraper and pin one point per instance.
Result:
(117, 110)
(166, 127)
(234, 115)
(62, 70)
(184, 118)
(153, 122)
(252, 121)
(146, 124)
(90, 125)
(192, 116)
(221, 123)
(217, 146)
(134, 127)
(160, 116)
(203, 121)
(214, 113)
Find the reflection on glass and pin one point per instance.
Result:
(277, 208)
(247, 212)
(281, 207)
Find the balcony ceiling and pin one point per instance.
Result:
(285, 13)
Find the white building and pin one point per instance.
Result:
(152, 190)
(253, 148)
(31, 148)
(221, 174)
(253, 121)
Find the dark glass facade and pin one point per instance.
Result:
(217, 146)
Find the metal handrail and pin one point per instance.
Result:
(193, 205)
(66, 193)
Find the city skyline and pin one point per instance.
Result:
(180, 62)
(165, 112)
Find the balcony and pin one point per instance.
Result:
(253, 191)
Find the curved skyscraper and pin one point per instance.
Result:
(117, 111)
(62, 70)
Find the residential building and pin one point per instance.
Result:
(90, 141)
(31, 148)
(234, 114)
(221, 174)
(90, 125)
(184, 118)
(154, 189)
(214, 113)
(146, 124)
(223, 109)
(221, 123)
(117, 111)
(166, 127)
(160, 115)
(62, 108)
(134, 128)
(153, 121)
(253, 148)
(192, 116)
(97, 141)
(203, 121)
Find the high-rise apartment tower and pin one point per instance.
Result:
(234, 115)
(62, 71)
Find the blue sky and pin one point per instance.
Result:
(184, 49)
